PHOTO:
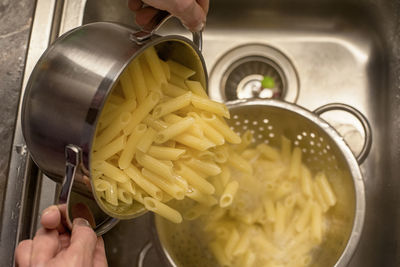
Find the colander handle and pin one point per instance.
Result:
(360, 117)
(155, 23)
(73, 161)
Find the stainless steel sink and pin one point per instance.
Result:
(320, 51)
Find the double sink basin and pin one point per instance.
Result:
(318, 52)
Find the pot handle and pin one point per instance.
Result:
(155, 23)
(143, 254)
(361, 118)
(73, 160)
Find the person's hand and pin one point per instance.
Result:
(54, 246)
(192, 13)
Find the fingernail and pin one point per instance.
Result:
(81, 222)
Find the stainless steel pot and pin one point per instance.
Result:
(68, 88)
(323, 150)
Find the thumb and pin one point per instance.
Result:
(83, 242)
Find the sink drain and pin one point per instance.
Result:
(253, 71)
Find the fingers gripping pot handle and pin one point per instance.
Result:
(73, 163)
(360, 117)
(155, 23)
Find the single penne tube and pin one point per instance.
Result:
(142, 111)
(219, 253)
(316, 223)
(111, 194)
(231, 243)
(179, 69)
(203, 166)
(155, 65)
(284, 189)
(151, 84)
(196, 88)
(201, 198)
(109, 107)
(128, 186)
(163, 210)
(170, 188)
(194, 179)
(112, 130)
(229, 194)
(210, 106)
(130, 149)
(139, 83)
(243, 243)
(270, 211)
(208, 130)
(295, 164)
(101, 185)
(172, 90)
(136, 175)
(124, 196)
(156, 166)
(173, 130)
(172, 105)
(280, 220)
(165, 153)
(306, 182)
(115, 99)
(110, 171)
(166, 70)
(194, 142)
(110, 149)
(127, 85)
(221, 154)
(247, 139)
(156, 124)
(305, 217)
(325, 188)
(178, 81)
(139, 196)
(194, 129)
(221, 126)
(319, 197)
(239, 163)
(106, 119)
(268, 152)
(146, 140)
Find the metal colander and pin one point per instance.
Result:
(323, 150)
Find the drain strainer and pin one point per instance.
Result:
(241, 73)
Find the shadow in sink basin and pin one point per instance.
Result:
(338, 52)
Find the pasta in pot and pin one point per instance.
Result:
(146, 135)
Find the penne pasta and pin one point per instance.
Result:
(138, 81)
(146, 140)
(165, 153)
(196, 88)
(172, 105)
(172, 90)
(221, 127)
(135, 174)
(171, 188)
(155, 65)
(229, 194)
(130, 149)
(180, 70)
(173, 130)
(163, 210)
(194, 179)
(210, 106)
(142, 111)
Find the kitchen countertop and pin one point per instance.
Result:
(15, 25)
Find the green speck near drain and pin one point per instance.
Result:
(268, 82)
